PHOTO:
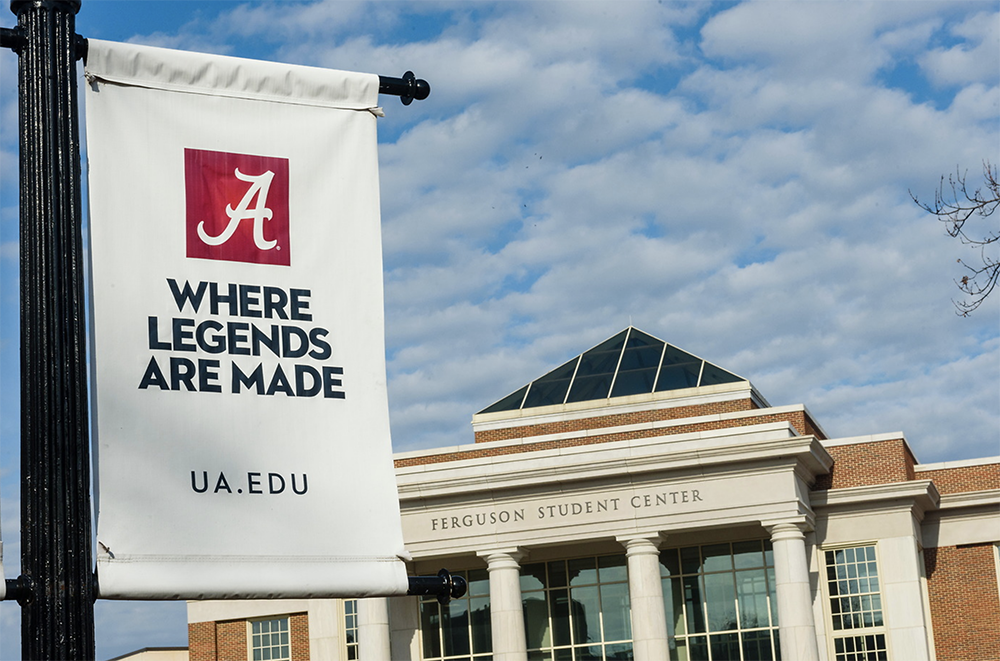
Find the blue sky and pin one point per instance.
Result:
(731, 177)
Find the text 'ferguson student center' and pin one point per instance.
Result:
(641, 503)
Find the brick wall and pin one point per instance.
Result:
(863, 464)
(227, 640)
(231, 640)
(298, 628)
(964, 478)
(964, 602)
(201, 641)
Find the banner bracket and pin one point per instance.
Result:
(407, 88)
(445, 586)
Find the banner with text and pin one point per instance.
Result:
(241, 433)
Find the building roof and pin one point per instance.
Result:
(630, 363)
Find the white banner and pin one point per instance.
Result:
(241, 429)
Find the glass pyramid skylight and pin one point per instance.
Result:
(630, 363)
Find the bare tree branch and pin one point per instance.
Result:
(955, 205)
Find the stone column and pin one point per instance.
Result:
(404, 629)
(791, 578)
(645, 590)
(506, 612)
(373, 629)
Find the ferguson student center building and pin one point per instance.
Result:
(641, 503)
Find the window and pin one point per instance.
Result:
(855, 599)
(269, 640)
(720, 602)
(460, 630)
(351, 628)
(577, 610)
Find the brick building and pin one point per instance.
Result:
(641, 503)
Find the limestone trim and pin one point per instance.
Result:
(870, 438)
(961, 463)
(920, 496)
(731, 452)
(476, 450)
(953, 501)
(963, 518)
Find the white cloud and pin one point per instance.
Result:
(975, 60)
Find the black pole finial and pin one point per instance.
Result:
(407, 88)
(445, 586)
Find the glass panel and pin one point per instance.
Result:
(613, 568)
(456, 627)
(582, 571)
(603, 359)
(725, 647)
(597, 368)
(479, 582)
(690, 560)
(429, 620)
(751, 590)
(482, 629)
(587, 388)
(717, 558)
(536, 621)
(557, 574)
(669, 564)
(532, 577)
(720, 595)
(768, 553)
(698, 647)
(693, 604)
(615, 607)
(713, 375)
(619, 652)
(551, 388)
(560, 617)
(747, 555)
(673, 603)
(634, 382)
(586, 615)
(511, 402)
(772, 597)
(757, 646)
(676, 377)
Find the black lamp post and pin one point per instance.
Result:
(56, 588)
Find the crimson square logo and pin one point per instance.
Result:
(237, 207)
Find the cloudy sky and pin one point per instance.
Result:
(733, 178)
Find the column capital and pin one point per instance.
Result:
(509, 557)
(786, 529)
(640, 544)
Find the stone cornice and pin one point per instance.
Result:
(919, 496)
(729, 454)
(966, 499)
